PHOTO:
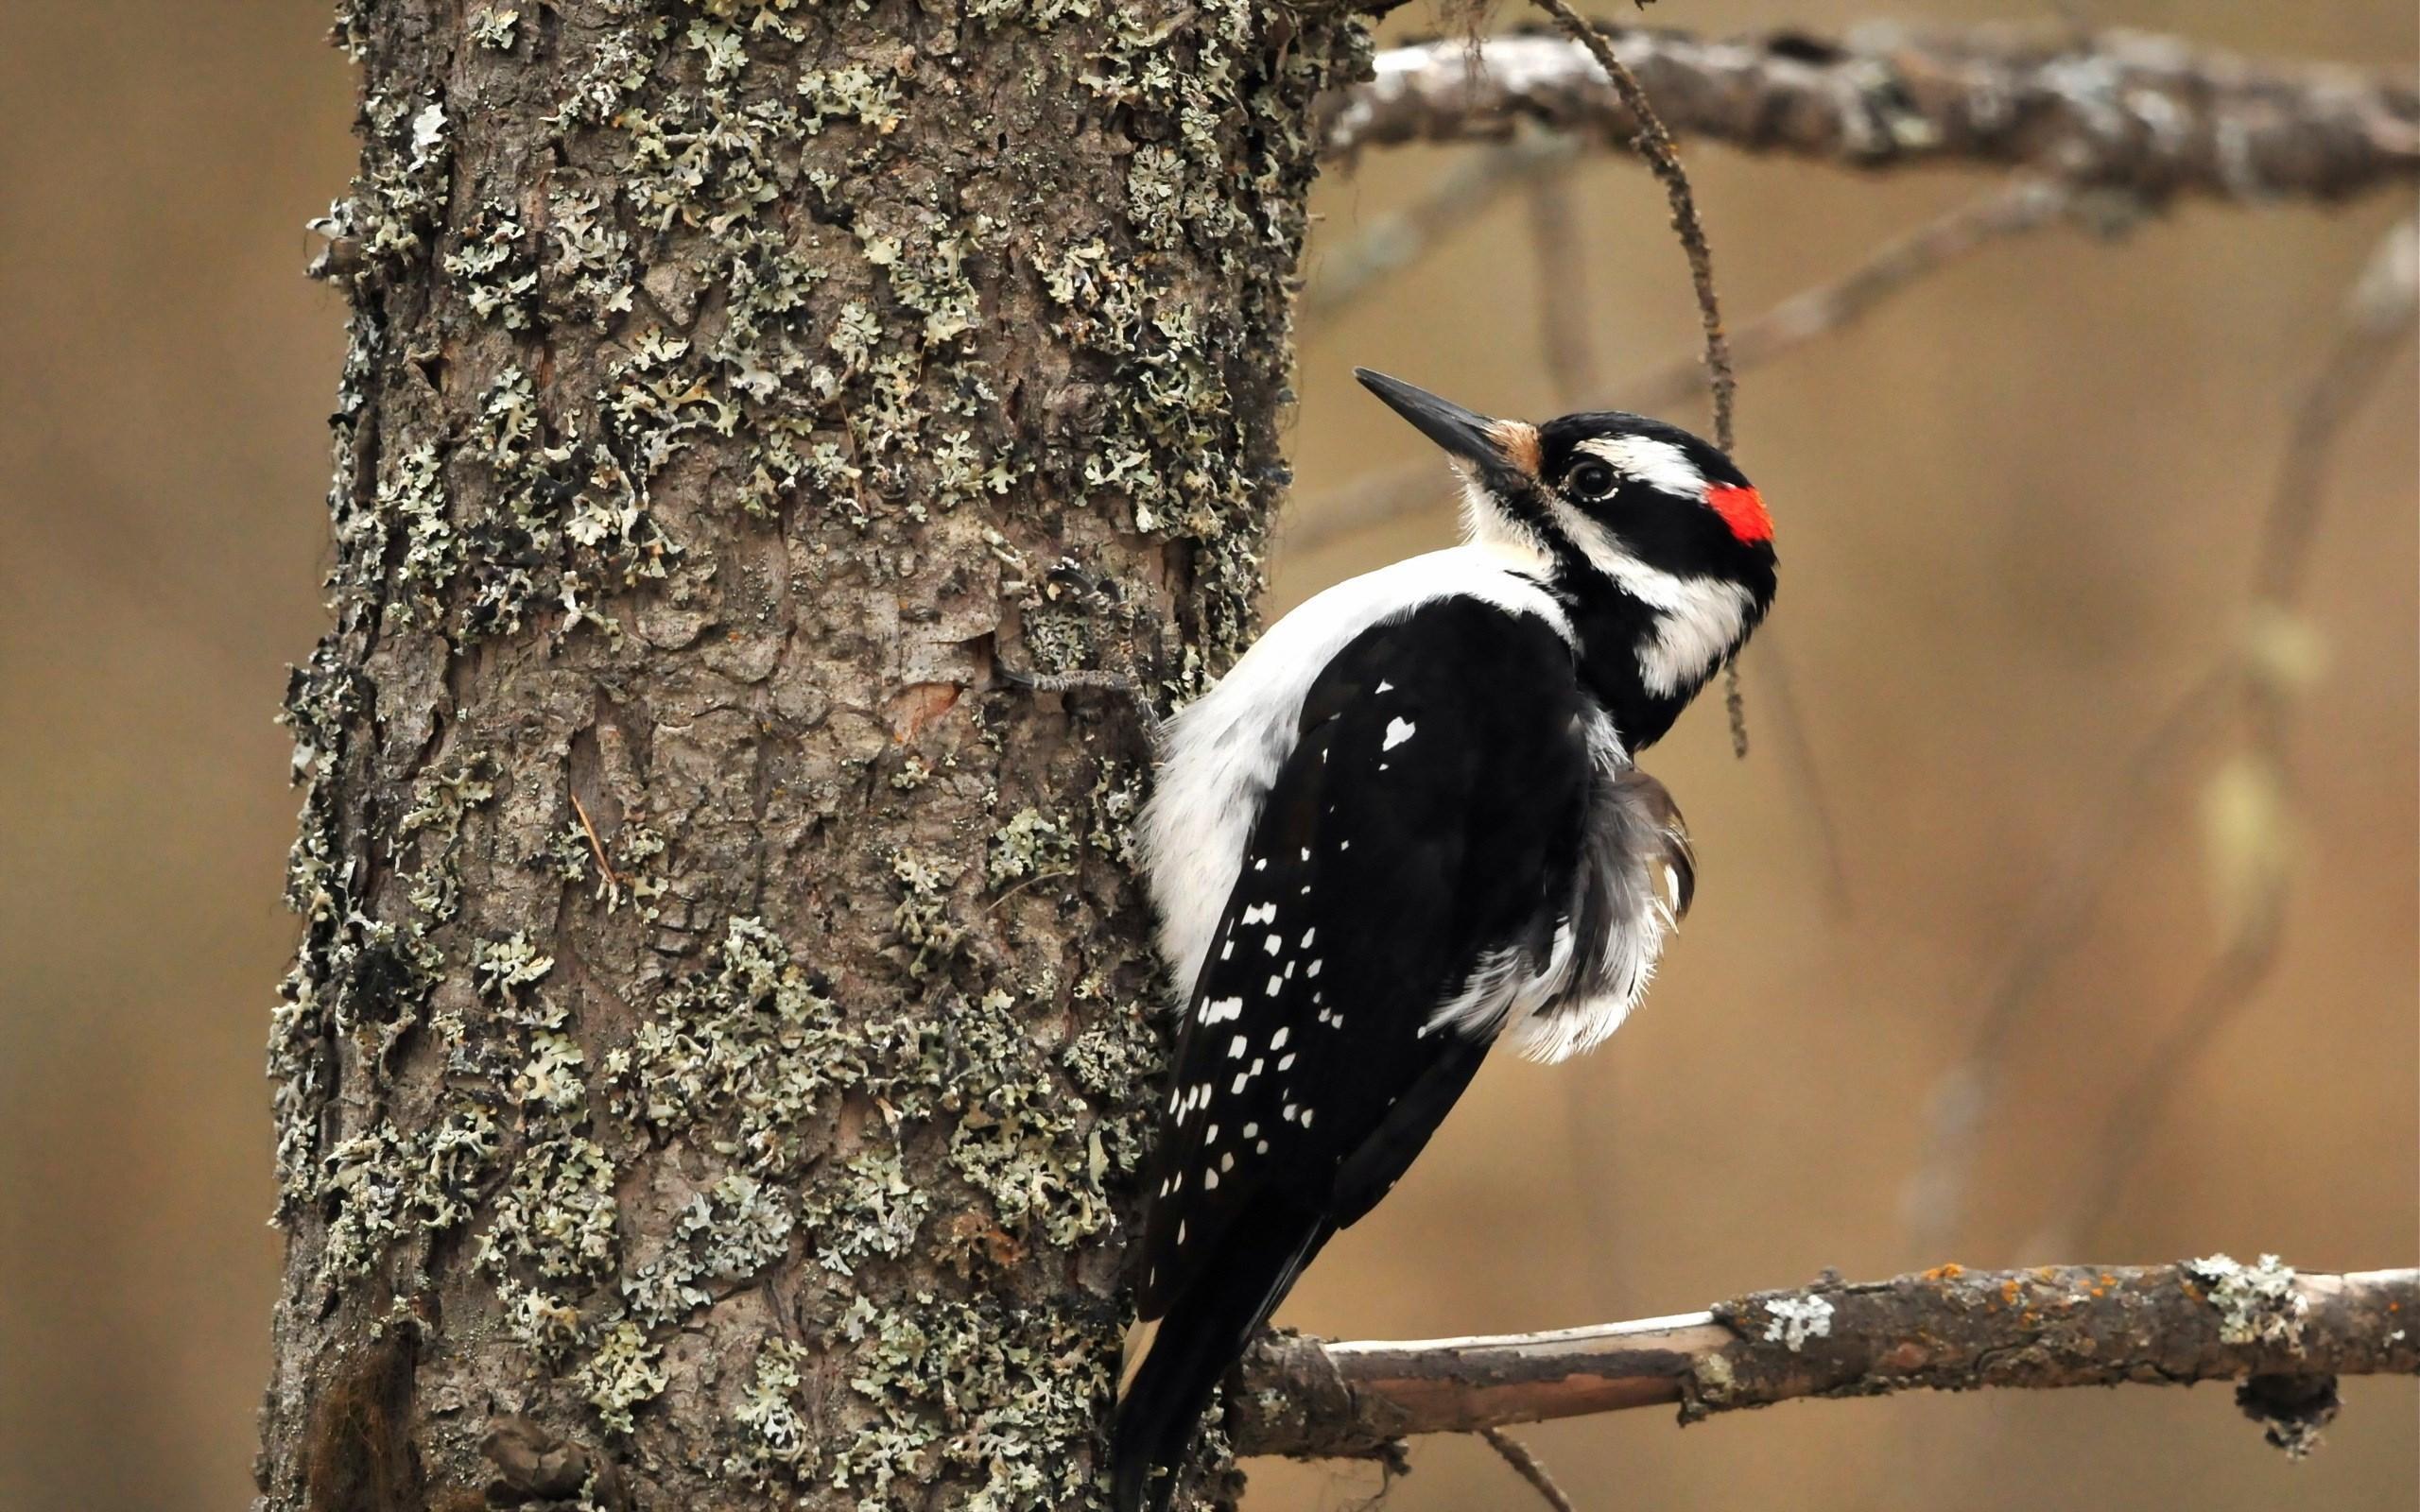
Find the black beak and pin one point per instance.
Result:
(1451, 426)
(1465, 433)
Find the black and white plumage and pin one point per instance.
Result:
(1404, 827)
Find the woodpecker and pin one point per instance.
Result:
(1405, 825)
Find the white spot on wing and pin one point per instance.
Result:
(1398, 730)
(1226, 747)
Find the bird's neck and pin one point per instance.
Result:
(1646, 640)
(1612, 631)
(1646, 647)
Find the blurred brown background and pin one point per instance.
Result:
(2018, 506)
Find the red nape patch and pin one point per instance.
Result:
(1743, 511)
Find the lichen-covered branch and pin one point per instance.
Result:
(2154, 117)
(2282, 1334)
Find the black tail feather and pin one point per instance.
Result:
(1204, 1331)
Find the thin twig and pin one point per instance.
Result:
(2377, 316)
(1946, 1330)
(1934, 1200)
(2026, 204)
(1654, 143)
(596, 846)
(1367, 502)
(1565, 314)
(1527, 1466)
(1390, 243)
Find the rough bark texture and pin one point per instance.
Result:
(2284, 1336)
(714, 1059)
(2146, 116)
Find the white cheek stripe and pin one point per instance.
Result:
(1659, 464)
(1696, 619)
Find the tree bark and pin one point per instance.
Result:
(717, 1054)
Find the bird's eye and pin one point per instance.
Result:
(1590, 480)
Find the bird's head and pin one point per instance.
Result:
(1659, 544)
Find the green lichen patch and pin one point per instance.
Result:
(745, 1055)
(495, 27)
(1027, 845)
(625, 1372)
(556, 1215)
(381, 1186)
(545, 1325)
(587, 274)
(505, 974)
(982, 1391)
(494, 268)
(868, 1209)
(780, 1442)
(728, 1233)
(2257, 1303)
(928, 935)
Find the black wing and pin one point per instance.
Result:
(1429, 816)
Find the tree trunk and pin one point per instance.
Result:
(714, 1069)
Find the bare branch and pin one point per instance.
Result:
(1943, 1330)
(2154, 117)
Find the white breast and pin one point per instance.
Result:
(1220, 754)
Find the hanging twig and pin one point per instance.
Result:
(1527, 1467)
(1370, 501)
(1652, 142)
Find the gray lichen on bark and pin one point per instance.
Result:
(714, 1062)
